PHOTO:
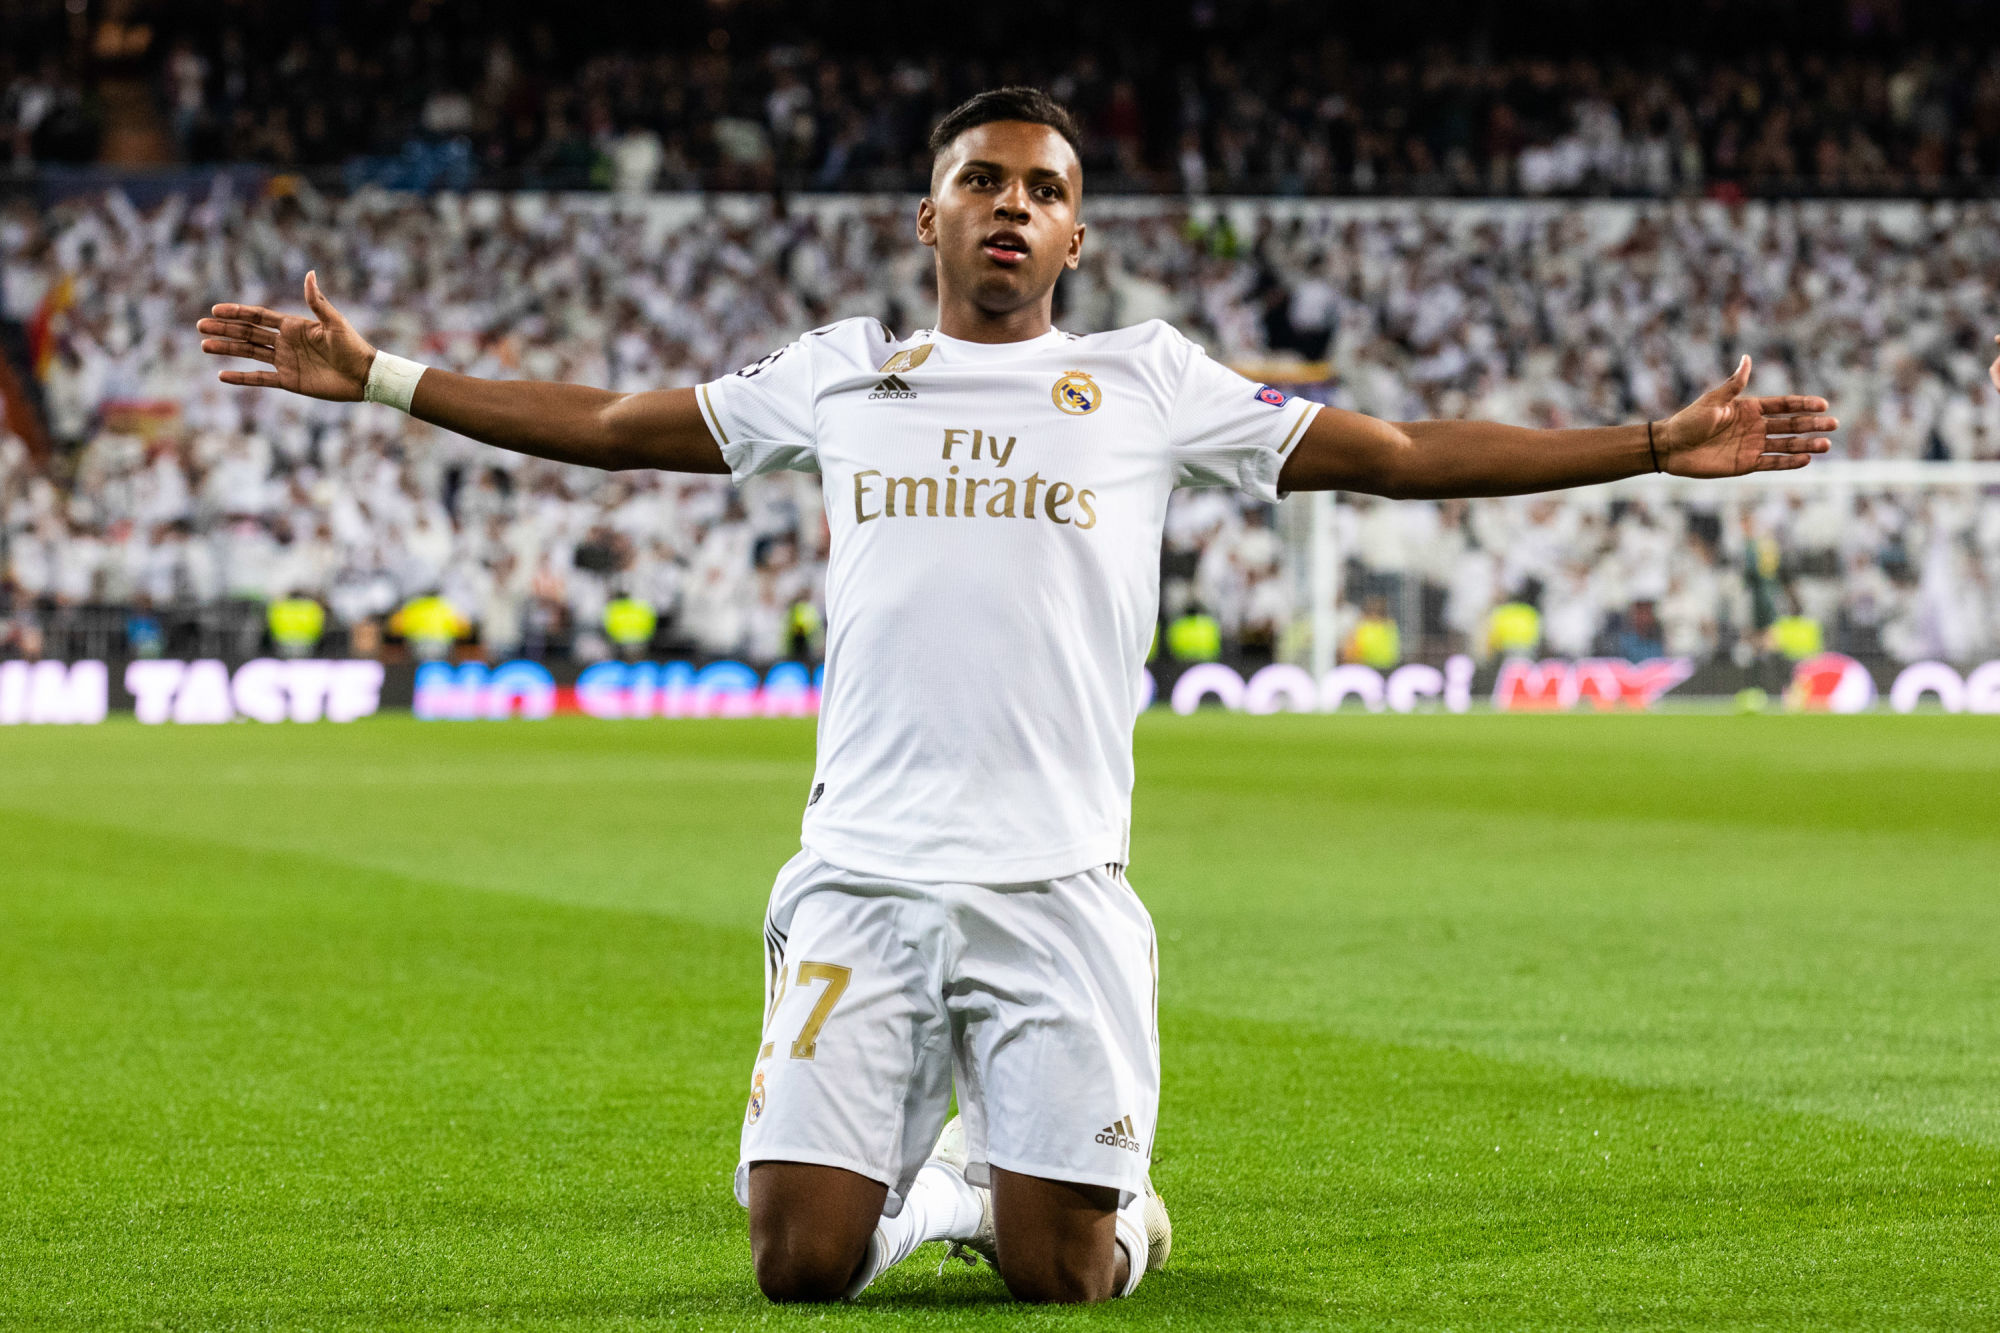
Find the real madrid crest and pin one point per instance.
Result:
(1076, 393)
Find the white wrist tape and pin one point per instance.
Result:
(393, 380)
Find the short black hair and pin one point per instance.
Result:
(1015, 103)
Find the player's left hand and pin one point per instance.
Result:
(1724, 434)
(1993, 371)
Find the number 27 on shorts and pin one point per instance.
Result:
(836, 977)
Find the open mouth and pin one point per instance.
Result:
(1005, 247)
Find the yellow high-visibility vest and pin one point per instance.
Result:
(629, 622)
(296, 622)
(1797, 637)
(428, 620)
(1514, 627)
(1377, 641)
(1195, 637)
(805, 622)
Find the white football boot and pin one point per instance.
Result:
(1159, 1230)
(951, 1154)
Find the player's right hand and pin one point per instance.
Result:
(321, 358)
(1993, 371)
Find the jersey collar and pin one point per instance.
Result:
(960, 348)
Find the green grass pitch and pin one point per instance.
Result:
(1483, 1021)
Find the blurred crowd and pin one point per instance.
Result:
(1197, 102)
(169, 489)
(1897, 573)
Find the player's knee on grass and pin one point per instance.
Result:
(796, 1268)
(1057, 1242)
(809, 1228)
(1062, 1277)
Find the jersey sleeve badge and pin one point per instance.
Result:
(907, 359)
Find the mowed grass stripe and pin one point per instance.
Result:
(1428, 1187)
(277, 1087)
(328, 1098)
(264, 1088)
(1837, 971)
(1937, 775)
(691, 818)
(1846, 971)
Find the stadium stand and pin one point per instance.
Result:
(172, 509)
(1850, 97)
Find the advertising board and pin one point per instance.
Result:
(208, 691)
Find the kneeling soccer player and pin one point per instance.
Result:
(995, 490)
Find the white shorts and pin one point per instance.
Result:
(1040, 999)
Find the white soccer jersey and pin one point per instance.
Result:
(993, 584)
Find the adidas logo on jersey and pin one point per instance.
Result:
(893, 387)
(1122, 1134)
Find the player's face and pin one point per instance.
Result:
(1002, 214)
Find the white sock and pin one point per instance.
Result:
(1129, 1225)
(940, 1206)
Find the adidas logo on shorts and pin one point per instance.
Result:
(893, 387)
(1122, 1134)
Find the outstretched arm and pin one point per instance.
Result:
(325, 358)
(1720, 434)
